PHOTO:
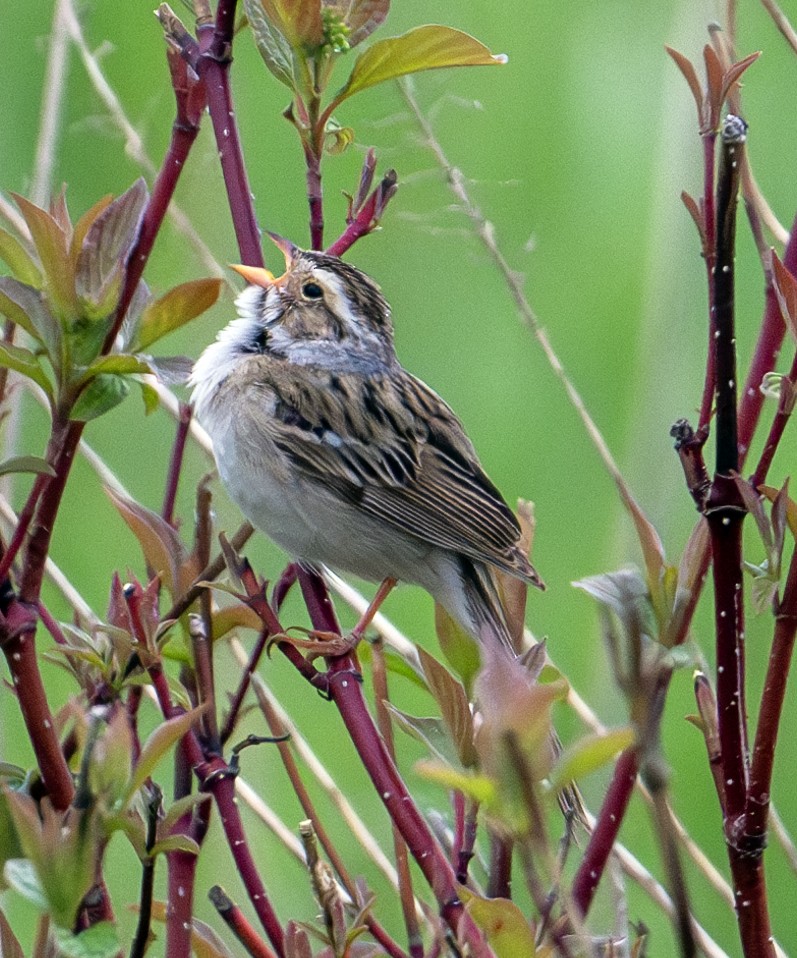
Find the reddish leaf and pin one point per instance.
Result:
(51, 245)
(9, 945)
(734, 73)
(162, 547)
(686, 67)
(84, 223)
(785, 286)
(694, 210)
(103, 254)
(429, 47)
(362, 17)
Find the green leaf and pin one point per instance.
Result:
(588, 755)
(19, 260)
(478, 787)
(299, 21)
(26, 464)
(430, 731)
(103, 256)
(179, 808)
(20, 874)
(157, 745)
(175, 843)
(454, 707)
(26, 306)
(507, 931)
(460, 649)
(429, 47)
(151, 398)
(273, 46)
(118, 364)
(176, 308)
(98, 941)
(27, 363)
(51, 245)
(101, 395)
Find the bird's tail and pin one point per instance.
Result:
(484, 607)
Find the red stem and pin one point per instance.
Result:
(176, 462)
(23, 523)
(343, 682)
(765, 357)
(181, 868)
(236, 921)
(315, 198)
(604, 834)
(213, 66)
(709, 228)
(772, 699)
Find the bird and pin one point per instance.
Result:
(340, 455)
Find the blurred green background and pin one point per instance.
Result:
(577, 152)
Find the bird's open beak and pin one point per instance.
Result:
(255, 275)
(258, 275)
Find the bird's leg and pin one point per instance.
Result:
(384, 590)
(330, 644)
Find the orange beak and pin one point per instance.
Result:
(256, 275)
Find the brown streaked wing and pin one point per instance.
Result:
(413, 466)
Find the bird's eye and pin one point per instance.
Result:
(312, 291)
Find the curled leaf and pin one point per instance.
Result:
(103, 255)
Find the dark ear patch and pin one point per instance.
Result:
(258, 343)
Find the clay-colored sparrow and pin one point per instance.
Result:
(342, 457)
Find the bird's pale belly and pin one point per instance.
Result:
(311, 523)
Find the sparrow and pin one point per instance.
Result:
(343, 458)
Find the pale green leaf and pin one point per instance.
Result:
(478, 787)
(26, 464)
(430, 731)
(587, 755)
(21, 875)
(175, 843)
(26, 306)
(26, 363)
(429, 47)
(98, 941)
(157, 745)
(118, 364)
(273, 46)
(505, 927)
(19, 260)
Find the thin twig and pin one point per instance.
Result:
(51, 113)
